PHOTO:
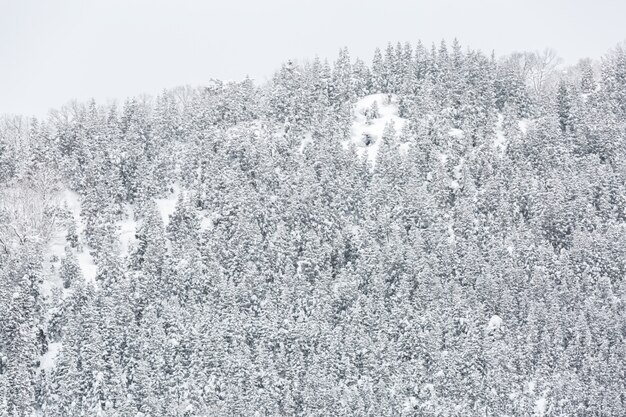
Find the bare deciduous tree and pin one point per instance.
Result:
(29, 210)
(543, 70)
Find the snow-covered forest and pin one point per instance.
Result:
(438, 232)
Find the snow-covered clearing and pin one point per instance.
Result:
(47, 360)
(52, 261)
(495, 323)
(367, 132)
(456, 133)
(167, 205)
(128, 229)
(57, 243)
(306, 140)
(501, 140)
(85, 261)
(540, 407)
(523, 125)
(128, 225)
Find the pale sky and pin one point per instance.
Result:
(52, 51)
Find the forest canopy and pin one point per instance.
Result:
(440, 232)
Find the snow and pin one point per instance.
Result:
(500, 140)
(128, 230)
(495, 322)
(87, 266)
(206, 223)
(373, 129)
(523, 126)
(540, 407)
(451, 234)
(458, 169)
(47, 359)
(56, 250)
(306, 140)
(456, 133)
(57, 243)
(430, 388)
(168, 205)
(410, 404)
(404, 148)
(541, 402)
(85, 261)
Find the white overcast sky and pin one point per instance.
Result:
(52, 51)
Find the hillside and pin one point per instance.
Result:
(430, 234)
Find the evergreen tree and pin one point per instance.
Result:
(69, 270)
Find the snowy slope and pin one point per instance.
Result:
(501, 140)
(57, 243)
(85, 261)
(366, 134)
(128, 228)
(52, 262)
(128, 224)
(47, 360)
(168, 204)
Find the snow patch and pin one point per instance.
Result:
(48, 359)
(168, 205)
(87, 266)
(430, 388)
(540, 407)
(52, 262)
(451, 234)
(366, 134)
(404, 148)
(495, 323)
(56, 246)
(85, 260)
(206, 223)
(456, 133)
(458, 169)
(523, 126)
(410, 404)
(306, 140)
(128, 230)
